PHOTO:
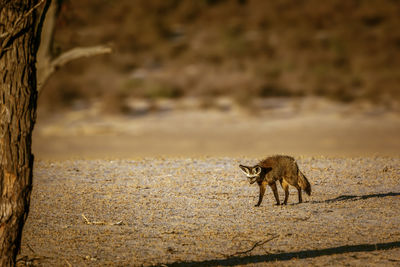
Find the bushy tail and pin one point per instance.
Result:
(304, 184)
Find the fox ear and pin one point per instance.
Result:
(245, 169)
(258, 169)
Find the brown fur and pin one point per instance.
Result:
(277, 168)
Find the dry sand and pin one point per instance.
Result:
(171, 204)
(298, 127)
(200, 211)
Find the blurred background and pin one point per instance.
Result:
(224, 78)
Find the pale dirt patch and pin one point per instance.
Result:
(308, 126)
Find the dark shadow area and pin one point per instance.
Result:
(285, 256)
(354, 197)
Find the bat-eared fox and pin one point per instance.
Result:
(277, 168)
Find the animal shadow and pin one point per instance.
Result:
(355, 197)
(287, 256)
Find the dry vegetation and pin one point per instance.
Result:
(345, 50)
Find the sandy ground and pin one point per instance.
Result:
(200, 212)
(166, 189)
(297, 127)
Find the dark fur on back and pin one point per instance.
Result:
(281, 166)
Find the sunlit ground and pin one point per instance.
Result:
(309, 126)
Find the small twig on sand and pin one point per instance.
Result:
(27, 261)
(100, 223)
(257, 244)
(30, 248)
(68, 263)
(30, 261)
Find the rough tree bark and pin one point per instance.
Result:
(20, 36)
(18, 98)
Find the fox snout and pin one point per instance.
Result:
(252, 173)
(252, 180)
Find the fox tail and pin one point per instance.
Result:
(304, 184)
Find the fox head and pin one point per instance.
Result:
(253, 173)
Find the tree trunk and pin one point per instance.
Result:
(18, 99)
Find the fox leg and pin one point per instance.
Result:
(299, 192)
(262, 192)
(292, 180)
(285, 187)
(275, 190)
